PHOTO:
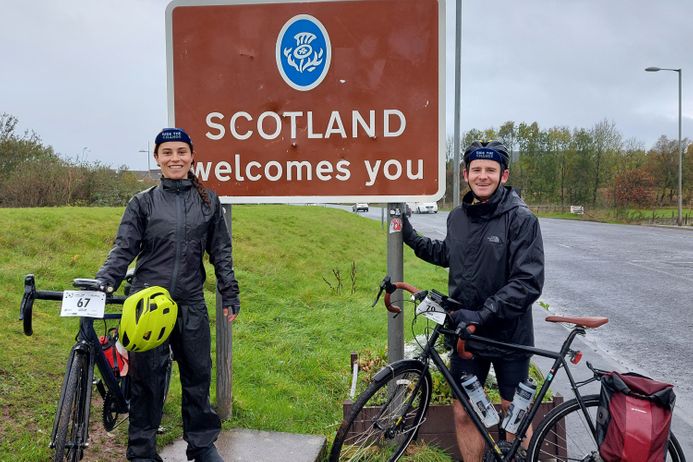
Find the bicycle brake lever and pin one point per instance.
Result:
(25, 309)
(380, 292)
(387, 286)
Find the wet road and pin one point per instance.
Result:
(640, 277)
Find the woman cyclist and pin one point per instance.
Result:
(168, 228)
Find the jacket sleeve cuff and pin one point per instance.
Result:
(485, 314)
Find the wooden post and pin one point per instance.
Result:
(224, 349)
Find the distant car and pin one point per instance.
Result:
(426, 207)
(360, 207)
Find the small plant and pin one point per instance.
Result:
(544, 305)
(338, 285)
(337, 288)
(352, 274)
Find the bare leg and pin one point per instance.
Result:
(470, 442)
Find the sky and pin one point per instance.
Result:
(89, 77)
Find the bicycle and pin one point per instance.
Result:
(70, 434)
(386, 417)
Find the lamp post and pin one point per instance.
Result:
(149, 169)
(679, 221)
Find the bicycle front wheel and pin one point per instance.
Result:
(68, 439)
(565, 435)
(386, 416)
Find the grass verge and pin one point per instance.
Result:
(292, 340)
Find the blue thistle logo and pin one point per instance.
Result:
(303, 52)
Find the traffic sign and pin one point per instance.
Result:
(311, 101)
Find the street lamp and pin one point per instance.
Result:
(657, 69)
(149, 169)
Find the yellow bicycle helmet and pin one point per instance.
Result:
(148, 319)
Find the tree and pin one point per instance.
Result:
(559, 140)
(579, 166)
(507, 134)
(633, 188)
(606, 143)
(15, 149)
(471, 136)
(529, 147)
(662, 163)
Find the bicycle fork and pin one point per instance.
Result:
(82, 401)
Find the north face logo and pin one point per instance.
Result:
(493, 239)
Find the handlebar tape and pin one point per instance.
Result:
(400, 285)
(461, 347)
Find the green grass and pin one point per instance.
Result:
(662, 215)
(291, 342)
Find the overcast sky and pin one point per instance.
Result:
(89, 77)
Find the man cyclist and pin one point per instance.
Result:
(495, 255)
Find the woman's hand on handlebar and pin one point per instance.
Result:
(105, 287)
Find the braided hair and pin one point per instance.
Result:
(200, 189)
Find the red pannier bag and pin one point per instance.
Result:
(634, 418)
(116, 357)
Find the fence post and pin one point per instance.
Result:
(224, 348)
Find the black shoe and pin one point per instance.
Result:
(156, 458)
(209, 455)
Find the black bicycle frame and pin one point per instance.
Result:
(559, 362)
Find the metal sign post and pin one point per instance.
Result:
(395, 269)
(224, 349)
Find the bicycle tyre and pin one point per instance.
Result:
(549, 442)
(167, 376)
(71, 415)
(372, 431)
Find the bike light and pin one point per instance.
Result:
(575, 357)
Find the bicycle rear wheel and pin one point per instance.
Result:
(68, 438)
(565, 435)
(386, 416)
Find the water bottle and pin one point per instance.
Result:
(480, 402)
(518, 408)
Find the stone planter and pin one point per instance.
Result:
(439, 428)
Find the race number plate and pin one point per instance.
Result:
(431, 310)
(83, 303)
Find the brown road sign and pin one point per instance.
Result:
(322, 101)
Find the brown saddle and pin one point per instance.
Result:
(591, 322)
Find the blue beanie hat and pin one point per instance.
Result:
(492, 150)
(172, 134)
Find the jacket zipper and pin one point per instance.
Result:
(180, 225)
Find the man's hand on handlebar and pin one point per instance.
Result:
(467, 317)
(467, 322)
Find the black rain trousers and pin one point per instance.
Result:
(191, 345)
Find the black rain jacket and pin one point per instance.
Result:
(495, 255)
(169, 228)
